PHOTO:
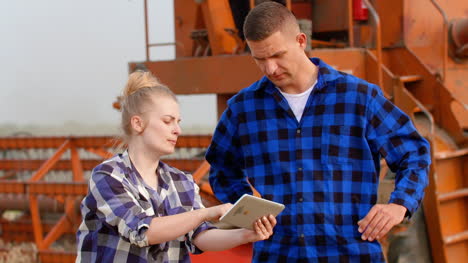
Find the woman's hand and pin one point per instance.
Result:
(215, 212)
(263, 229)
(222, 239)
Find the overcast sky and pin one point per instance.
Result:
(66, 60)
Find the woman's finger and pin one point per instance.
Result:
(262, 227)
(272, 220)
(258, 230)
(266, 224)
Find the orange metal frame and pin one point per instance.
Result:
(70, 193)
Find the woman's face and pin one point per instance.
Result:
(162, 125)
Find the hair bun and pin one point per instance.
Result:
(139, 80)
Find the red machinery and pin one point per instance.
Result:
(415, 50)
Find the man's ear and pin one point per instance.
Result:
(137, 124)
(301, 38)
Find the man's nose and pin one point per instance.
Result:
(270, 67)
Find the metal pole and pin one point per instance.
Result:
(350, 23)
(444, 39)
(378, 42)
(146, 30)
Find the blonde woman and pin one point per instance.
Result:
(139, 209)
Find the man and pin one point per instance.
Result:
(311, 137)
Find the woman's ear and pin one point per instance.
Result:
(137, 124)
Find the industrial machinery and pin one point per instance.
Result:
(415, 50)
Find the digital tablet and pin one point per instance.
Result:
(246, 210)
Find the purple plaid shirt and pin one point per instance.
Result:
(119, 208)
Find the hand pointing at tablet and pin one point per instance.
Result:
(213, 213)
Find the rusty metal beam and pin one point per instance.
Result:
(51, 256)
(12, 187)
(194, 141)
(100, 152)
(77, 167)
(33, 165)
(88, 165)
(45, 167)
(64, 223)
(215, 74)
(12, 228)
(220, 74)
(36, 220)
(390, 13)
(10, 143)
(453, 195)
(201, 171)
(21, 202)
(463, 236)
(53, 188)
(217, 16)
(451, 154)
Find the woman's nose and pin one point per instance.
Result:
(177, 130)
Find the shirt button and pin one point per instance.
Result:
(301, 199)
(298, 131)
(302, 235)
(300, 168)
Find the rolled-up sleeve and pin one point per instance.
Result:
(118, 207)
(190, 236)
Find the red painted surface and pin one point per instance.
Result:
(360, 11)
(238, 254)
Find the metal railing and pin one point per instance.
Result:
(444, 39)
(378, 41)
(147, 44)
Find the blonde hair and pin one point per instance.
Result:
(136, 96)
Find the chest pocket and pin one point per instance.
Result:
(337, 145)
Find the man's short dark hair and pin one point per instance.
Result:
(265, 19)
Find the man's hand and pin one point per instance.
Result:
(380, 219)
(263, 229)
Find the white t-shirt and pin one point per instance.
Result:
(297, 102)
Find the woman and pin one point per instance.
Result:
(139, 209)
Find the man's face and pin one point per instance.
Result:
(279, 57)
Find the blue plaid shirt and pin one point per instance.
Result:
(119, 208)
(325, 168)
